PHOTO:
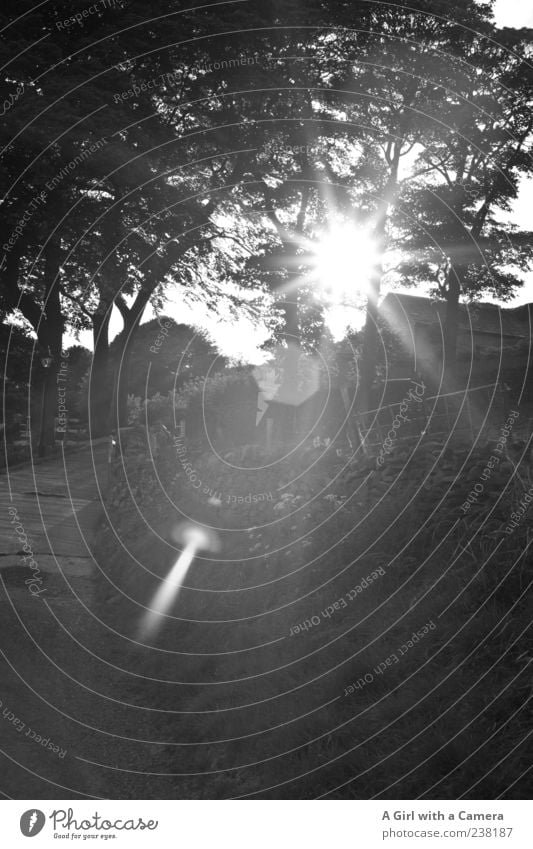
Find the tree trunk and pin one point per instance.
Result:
(121, 385)
(131, 317)
(286, 396)
(369, 355)
(47, 322)
(99, 383)
(50, 337)
(119, 406)
(368, 362)
(43, 426)
(451, 327)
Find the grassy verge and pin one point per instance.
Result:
(359, 634)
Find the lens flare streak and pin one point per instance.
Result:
(195, 539)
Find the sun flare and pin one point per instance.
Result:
(345, 259)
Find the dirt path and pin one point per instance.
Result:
(47, 576)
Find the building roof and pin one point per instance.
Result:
(473, 317)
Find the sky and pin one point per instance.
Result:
(513, 13)
(519, 13)
(240, 340)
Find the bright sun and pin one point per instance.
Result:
(344, 261)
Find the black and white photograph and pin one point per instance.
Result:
(266, 467)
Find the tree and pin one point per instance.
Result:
(337, 102)
(396, 78)
(377, 84)
(471, 171)
(17, 350)
(51, 139)
(63, 262)
(164, 355)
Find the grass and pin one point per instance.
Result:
(267, 712)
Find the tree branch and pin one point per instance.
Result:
(76, 301)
